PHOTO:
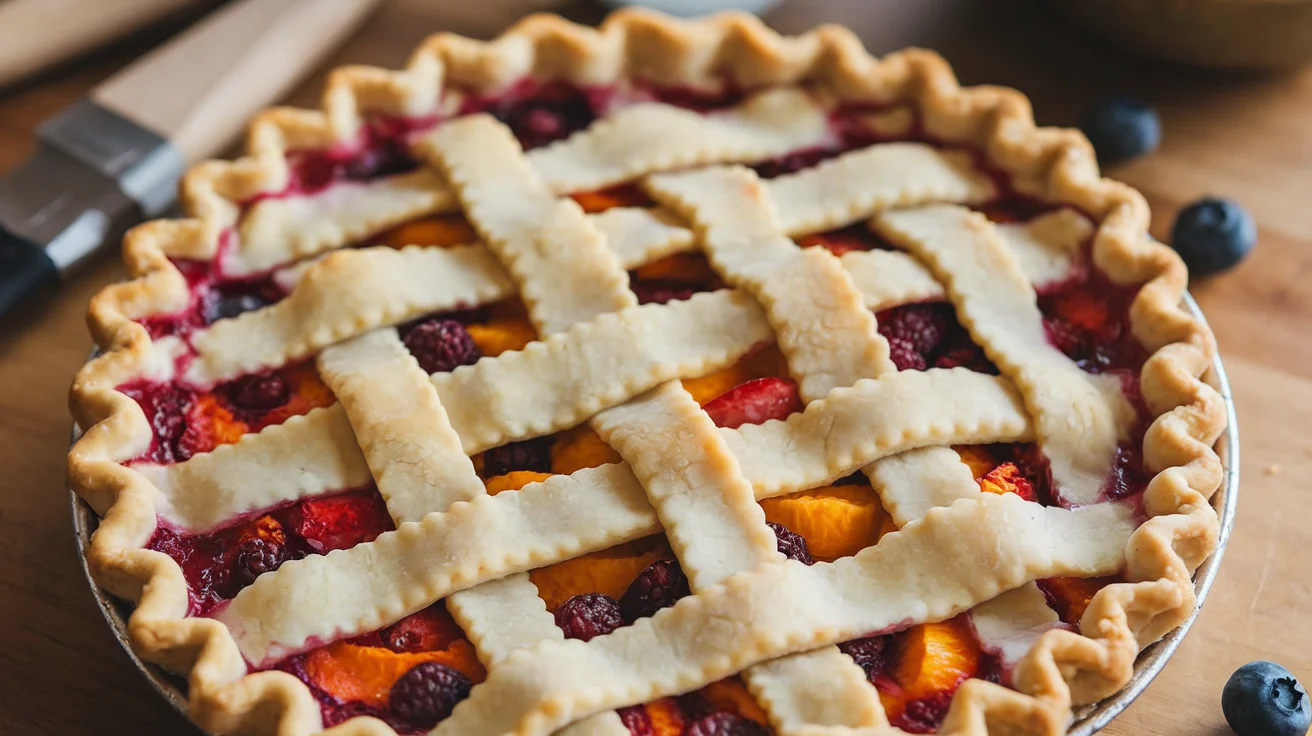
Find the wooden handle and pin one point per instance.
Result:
(35, 34)
(199, 89)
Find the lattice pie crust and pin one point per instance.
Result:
(606, 361)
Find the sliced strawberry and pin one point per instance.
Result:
(755, 402)
(343, 521)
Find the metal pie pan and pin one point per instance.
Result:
(1087, 719)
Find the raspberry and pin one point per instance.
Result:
(903, 354)
(258, 393)
(534, 454)
(754, 402)
(441, 345)
(659, 586)
(427, 694)
(588, 615)
(635, 719)
(660, 292)
(924, 715)
(868, 653)
(257, 556)
(791, 543)
(342, 521)
(923, 325)
(725, 724)
(966, 356)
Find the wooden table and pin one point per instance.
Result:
(1246, 137)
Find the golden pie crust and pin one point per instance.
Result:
(615, 364)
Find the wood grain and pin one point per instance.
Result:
(1241, 136)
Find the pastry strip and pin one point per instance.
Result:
(1079, 420)
(775, 610)
(398, 421)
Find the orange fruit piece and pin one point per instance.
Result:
(1074, 594)
(498, 336)
(688, 268)
(443, 230)
(1007, 478)
(513, 481)
(935, 658)
(308, 391)
(835, 521)
(730, 694)
(579, 448)
(598, 572)
(602, 200)
(711, 385)
(666, 717)
(366, 674)
(978, 458)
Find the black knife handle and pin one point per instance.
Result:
(24, 269)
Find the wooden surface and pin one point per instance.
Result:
(1246, 137)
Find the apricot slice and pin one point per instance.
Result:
(687, 268)
(443, 230)
(711, 385)
(366, 674)
(579, 448)
(1071, 596)
(602, 200)
(666, 717)
(498, 336)
(835, 521)
(513, 481)
(730, 694)
(978, 458)
(598, 572)
(934, 658)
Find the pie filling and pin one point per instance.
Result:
(916, 670)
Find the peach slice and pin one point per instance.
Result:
(442, 230)
(835, 521)
(934, 658)
(979, 459)
(599, 572)
(685, 268)
(731, 695)
(1071, 596)
(513, 481)
(500, 335)
(666, 717)
(621, 196)
(366, 674)
(579, 448)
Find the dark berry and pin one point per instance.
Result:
(659, 586)
(534, 454)
(791, 543)
(1265, 699)
(658, 292)
(259, 393)
(588, 615)
(1128, 474)
(382, 159)
(792, 162)
(966, 356)
(312, 173)
(635, 719)
(553, 112)
(1212, 235)
(923, 325)
(441, 345)
(1121, 128)
(868, 653)
(257, 556)
(427, 693)
(924, 715)
(725, 724)
(226, 306)
(903, 354)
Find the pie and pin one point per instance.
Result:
(667, 378)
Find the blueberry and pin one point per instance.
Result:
(1212, 235)
(1121, 128)
(1264, 699)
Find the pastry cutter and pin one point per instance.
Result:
(114, 157)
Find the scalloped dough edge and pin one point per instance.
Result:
(1057, 165)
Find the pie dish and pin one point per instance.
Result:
(670, 377)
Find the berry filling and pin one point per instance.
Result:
(218, 564)
(411, 673)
